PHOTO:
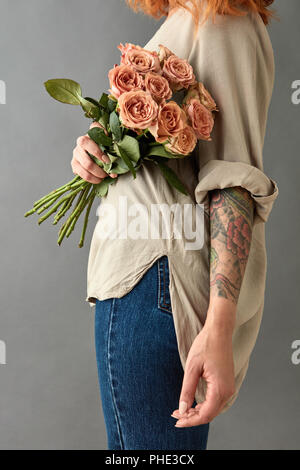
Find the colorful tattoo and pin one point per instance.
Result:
(231, 222)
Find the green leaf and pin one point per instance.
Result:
(160, 151)
(92, 100)
(115, 126)
(112, 157)
(111, 104)
(101, 189)
(171, 177)
(91, 110)
(96, 160)
(131, 146)
(98, 135)
(106, 166)
(64, 90)
(119, 167)
(129, 151)
(123, 154)
(104, 100)
(104, 118)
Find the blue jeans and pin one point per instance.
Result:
(139, 368)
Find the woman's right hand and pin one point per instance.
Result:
(82, 164)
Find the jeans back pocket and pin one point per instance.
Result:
(163, 294)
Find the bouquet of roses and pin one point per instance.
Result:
(139, 122)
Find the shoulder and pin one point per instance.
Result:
(231, 28)
(237, 37)
(234, 53)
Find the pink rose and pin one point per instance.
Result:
(164, 53)
(198, 91)
(184, 143)
(123, 78)
(158, 86)
(178, 72)
(201, 118)
(141, 60)
(137, 109)
(171, 120)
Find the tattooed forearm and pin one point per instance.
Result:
(231, 222)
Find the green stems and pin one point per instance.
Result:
(69, 225)
(46, 201)
(66, 206)
(56, 206)
(55, 191)
(86, 218)
(61, 200)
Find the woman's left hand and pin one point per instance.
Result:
(210, 358)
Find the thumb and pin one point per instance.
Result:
(192, 373)
(95, 124)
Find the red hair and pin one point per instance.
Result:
(159, 8)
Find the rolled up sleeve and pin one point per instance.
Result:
(218, 174)
(234, 59)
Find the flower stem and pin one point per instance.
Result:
(70, 183)
(51, 197)
(79, 210)
(47, 204)
(71, 227)
(56, 206)
(75, 214)
(86, 218)
(66, 206)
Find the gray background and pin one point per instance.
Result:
(48, 388)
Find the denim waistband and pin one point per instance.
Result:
(164, 298)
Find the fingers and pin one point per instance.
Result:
(87, 144)
(87, 163)
(190, 381)
(84, 174)
(205, 412)
(83, 165)
(187, 414)
(202, 415)
(104, 157)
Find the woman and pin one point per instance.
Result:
(176, 324)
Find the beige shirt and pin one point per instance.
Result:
(234, 59)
